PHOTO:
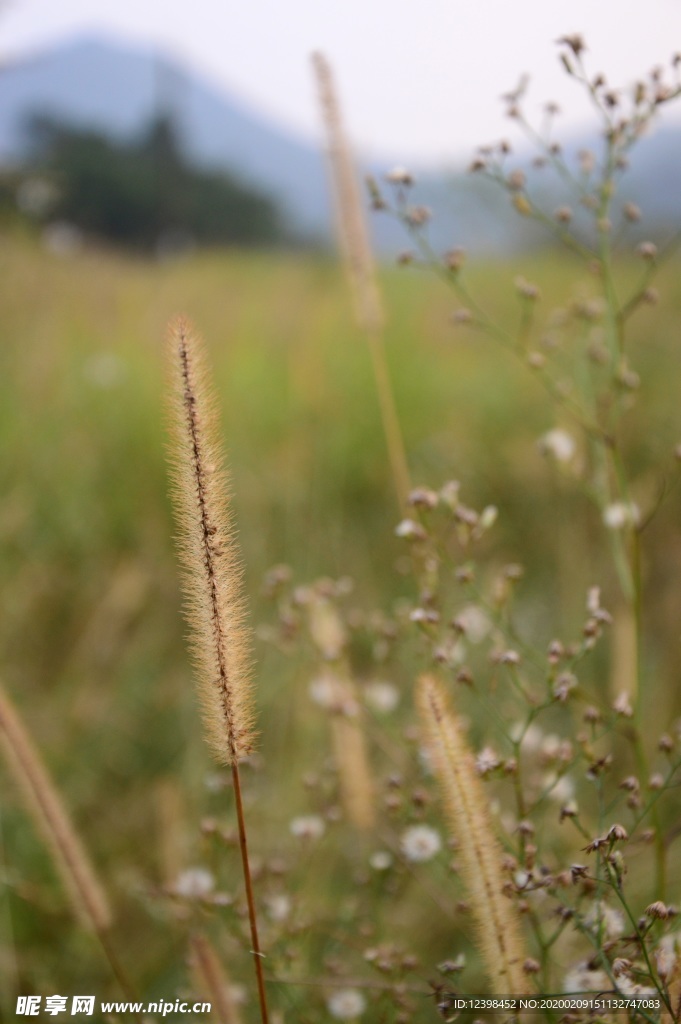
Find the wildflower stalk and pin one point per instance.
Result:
(361, 271)
(212, 575)
(497, 925)
(600, 419)
(636, 931)
(498, 333)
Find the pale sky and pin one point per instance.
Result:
(418, 80)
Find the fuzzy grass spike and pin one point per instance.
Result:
(214, 608)
(53, 820)
(497, 926)
(54, 823)
(219, 639)
(360, 267)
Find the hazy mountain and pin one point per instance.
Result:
(92, 83)
(117, 89)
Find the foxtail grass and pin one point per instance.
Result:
(496, 921)
(328, 634)
(358, 259)
(170, 821)
(354, 773)
(53, 822)
(211, 980)
(214, 607)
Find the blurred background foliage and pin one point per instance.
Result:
(141, 193)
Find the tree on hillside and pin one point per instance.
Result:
(140, 194)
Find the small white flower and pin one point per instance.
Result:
(593, 600)
(488, 517)
(399, 176)
(410, 530)
(570, 809)
(450, 652)
(239, 994)
(423, 497)
(420, 843)
(194, 884)
(621, 514)
(558, 444)
(666, 956)
(449, 966)
(610, 920)
(346, 1004)
(330, 692)
(486, 761)
(582, 979)
(382, 696)
(562, 789)
(550, 747)
(309, 826)
(475, 623)
(532, 736)
(278, 907)
(417, 216)
(425, 615)
(449, 493)
(323, 690)
(634, 989)
(381, 860)
(564, 685)
(622, 705)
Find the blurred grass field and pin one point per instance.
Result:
(90, 626)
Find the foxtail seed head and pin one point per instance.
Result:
(214, 608)
(497, 924)
(211, 980)
(52, 820)
(350, 219)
